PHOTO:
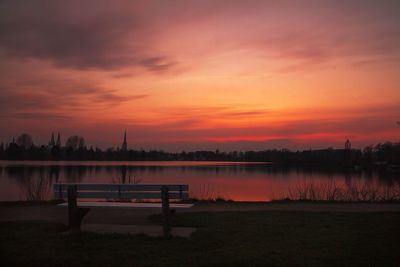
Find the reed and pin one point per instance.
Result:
(334, 190)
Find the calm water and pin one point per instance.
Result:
(21, 180)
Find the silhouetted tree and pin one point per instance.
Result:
(25, 141)
(75, 142)
(382, 157)
(1, 150)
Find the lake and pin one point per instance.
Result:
(239, 181)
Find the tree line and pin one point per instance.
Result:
(385, 155)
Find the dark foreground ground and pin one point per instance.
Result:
(224, 238)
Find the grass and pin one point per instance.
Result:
(256, 238)
(25, 203)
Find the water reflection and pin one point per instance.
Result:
(123, 176)
(242, 182)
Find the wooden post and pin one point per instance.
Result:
(75, 214)
(72, 207)
(165, 211)
(60, 195)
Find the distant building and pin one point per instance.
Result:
(58, 143)
(52, 143)
(347, 145)
(124, 146)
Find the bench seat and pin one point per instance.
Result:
(127, 205)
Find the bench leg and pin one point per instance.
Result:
(166, 212)
(75, 214)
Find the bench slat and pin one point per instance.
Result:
(127, 205)
(92, 187)
(153, 187)
(122, 187)
(122, 195)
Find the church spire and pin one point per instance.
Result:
(52, 142)
(125, 143)
(58, 143)
(347, 145)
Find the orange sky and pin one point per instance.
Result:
(202, 74)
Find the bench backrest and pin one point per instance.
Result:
(123, 191)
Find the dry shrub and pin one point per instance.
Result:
(333, 190)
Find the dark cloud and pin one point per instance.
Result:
(368, 121)
(111, 35)
(315, 47)
(59, 100)
(77, 35)
(157, 63)
(251, 113)
(36, 115)
(114, 98)
(15, 100)
(184, 134)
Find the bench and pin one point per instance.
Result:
(120, 192)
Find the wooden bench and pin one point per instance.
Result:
(120, 192)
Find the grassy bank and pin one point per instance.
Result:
(257, 238)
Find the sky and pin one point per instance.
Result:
(192, 75)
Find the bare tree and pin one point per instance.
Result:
(25, 141)
(75, 142)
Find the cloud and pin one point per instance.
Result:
(111, 97)
(59, 101)
(184, 134)
(249, 113)
(80, 36)
(95, 35)
(157, 63)
(363, 126)
(36, 115)
(315, 47)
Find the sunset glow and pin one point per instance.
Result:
(188, 75)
